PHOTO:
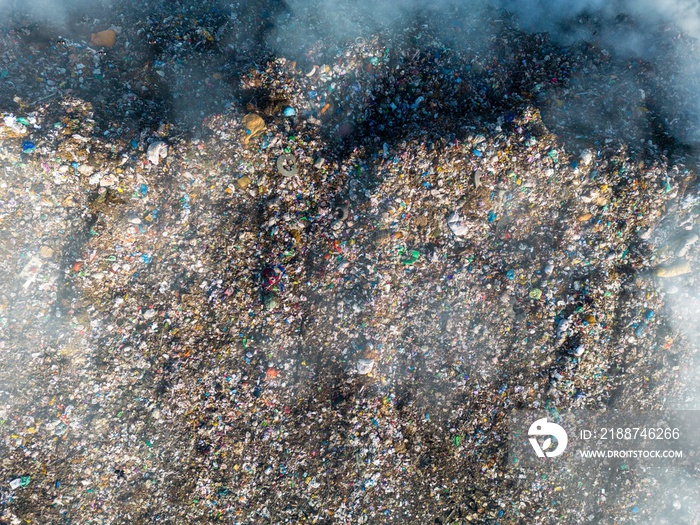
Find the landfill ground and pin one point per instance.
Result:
(255, 285)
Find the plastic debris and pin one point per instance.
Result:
(674, 270)
(535, 294)
(106, 38)
(253, 125)
(365, 366)
(157, 151)
(457, 224)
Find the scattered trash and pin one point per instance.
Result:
(477, 179)
(578, 351)
(687, 244)
(549, 268)
(365, 366)
(243, 182)
(586, 157)
(414, 256)
(156, 151)
(291, 315)
(253, 125)
(287, 165)
(340, 213)
(674, 270)
(535, 294)
(106, 38)
(457, 224)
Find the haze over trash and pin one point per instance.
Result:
(282, 262)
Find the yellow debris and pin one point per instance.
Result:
(105, 38)
(253, 125)
(674, 270)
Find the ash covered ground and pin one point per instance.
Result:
(296, 263)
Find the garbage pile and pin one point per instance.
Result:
(317, 303)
